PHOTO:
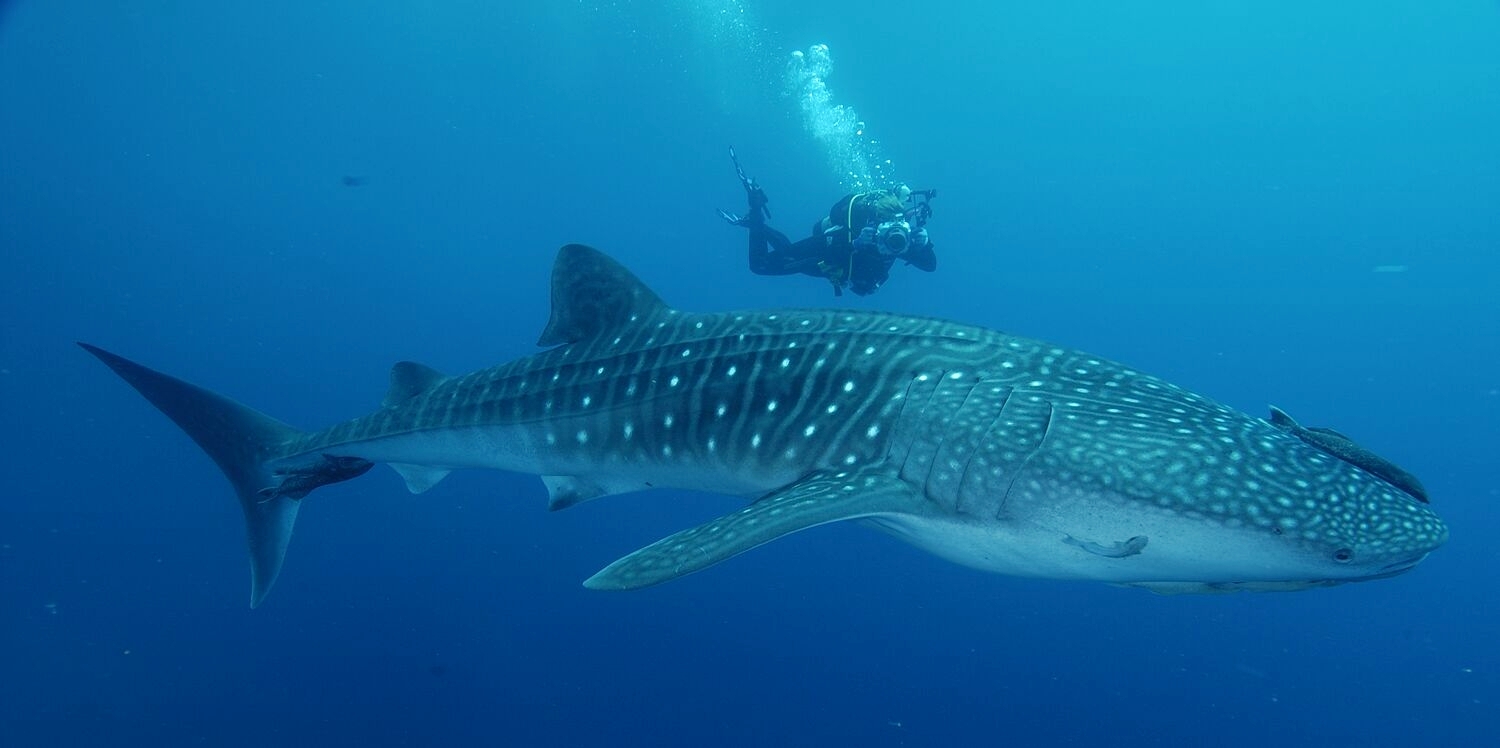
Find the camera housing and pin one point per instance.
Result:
(892, 237)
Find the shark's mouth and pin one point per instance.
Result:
(1182, 588)
(1203, 588)
(1400, 567)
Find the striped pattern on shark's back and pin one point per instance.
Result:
(783, 387)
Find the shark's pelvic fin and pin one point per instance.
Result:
(239, 440)
(409, 379)
(564, 491)
(592, 294)
(818, 499)
(419, 478)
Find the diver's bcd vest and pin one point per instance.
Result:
(852, 212)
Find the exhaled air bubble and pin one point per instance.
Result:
(835, 126)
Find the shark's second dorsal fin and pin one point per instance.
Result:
(592, 294)
(409, 379)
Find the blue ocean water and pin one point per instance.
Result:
(1267, 202)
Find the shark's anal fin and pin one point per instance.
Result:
(815, 500)
(592, 294)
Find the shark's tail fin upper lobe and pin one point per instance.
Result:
(240, 440)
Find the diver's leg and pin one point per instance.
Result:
(770, 251)
(757, 212)
(757, 199)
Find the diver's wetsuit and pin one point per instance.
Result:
(831, 256)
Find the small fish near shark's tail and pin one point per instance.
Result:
(241, 441)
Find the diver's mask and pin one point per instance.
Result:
(891, 237)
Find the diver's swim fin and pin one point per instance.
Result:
(753, 192)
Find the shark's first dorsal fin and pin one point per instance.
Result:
(593, 294)
(409, 379)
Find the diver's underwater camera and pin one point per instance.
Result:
(892, 237)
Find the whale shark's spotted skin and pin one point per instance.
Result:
(996, 451)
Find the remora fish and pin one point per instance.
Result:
(995, 451)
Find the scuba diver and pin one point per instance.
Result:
(853, 247)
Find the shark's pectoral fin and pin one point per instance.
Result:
(419, 478)
(818, 499)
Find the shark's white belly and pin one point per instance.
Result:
(1143, 546)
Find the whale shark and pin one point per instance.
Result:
(995, 451)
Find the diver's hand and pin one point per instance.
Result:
(866, 238)
(918, 238)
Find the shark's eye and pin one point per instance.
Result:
(1343, 555)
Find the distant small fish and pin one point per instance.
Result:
(354, 181)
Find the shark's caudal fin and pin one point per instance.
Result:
(240, 440)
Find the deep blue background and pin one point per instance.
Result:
(1200, 189)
